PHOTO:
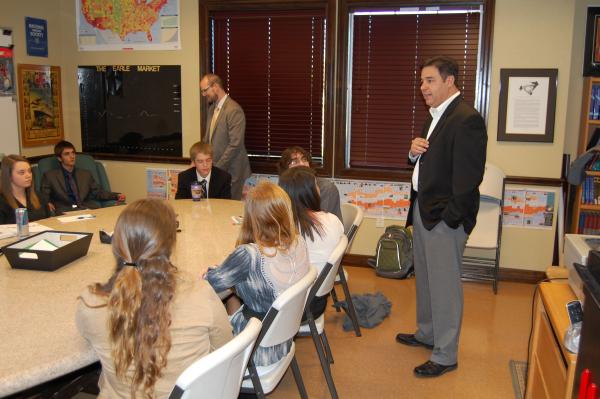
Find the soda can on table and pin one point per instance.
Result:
(22, 220)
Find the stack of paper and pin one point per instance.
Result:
(43, 245)
(10, 230)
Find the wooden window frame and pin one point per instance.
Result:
(483, 84)
(264, 165)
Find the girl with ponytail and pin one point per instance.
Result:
(149, 322)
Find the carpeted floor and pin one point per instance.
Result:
(518, 373)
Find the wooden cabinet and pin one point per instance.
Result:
(586, 212)
(551, 368)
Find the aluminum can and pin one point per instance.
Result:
(22, 220)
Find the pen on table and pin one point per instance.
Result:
(86, 217)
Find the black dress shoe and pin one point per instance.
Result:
(410, 340)
(433, 369)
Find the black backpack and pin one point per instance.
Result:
(394, 254)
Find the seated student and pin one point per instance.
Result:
(149, 321)
(68, 187)
(321, 230)
(270, 257)
(214, 181)
(17, 191)
(330, 196)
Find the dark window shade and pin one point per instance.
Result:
(272, 65)
(388, 110)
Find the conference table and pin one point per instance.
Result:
(38, 337)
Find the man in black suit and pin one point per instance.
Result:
(214, 181)
(449, 162)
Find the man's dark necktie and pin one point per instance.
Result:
(203, 185)
(74, 189)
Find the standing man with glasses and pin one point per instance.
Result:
(449, 160)
(226, 127)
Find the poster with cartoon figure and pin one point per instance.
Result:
(7, 75)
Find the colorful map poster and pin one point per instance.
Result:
(156, 183)
(529, 208)
(104, 25)
(539, 209)
(514, 204)
(386, 200)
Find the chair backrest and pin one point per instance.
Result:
(486, 231)
(103, 177)
(37, 178)
(44, 165)
(219, 374)
(82, 161)
(492, 186)
(326, 279)
(282, 321)
(352, 216)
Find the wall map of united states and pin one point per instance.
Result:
(122, 16)
(128, 24)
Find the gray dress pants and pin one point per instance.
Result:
(438, 259)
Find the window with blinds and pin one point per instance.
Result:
(385, 108)
(272, 64)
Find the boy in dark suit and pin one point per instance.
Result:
(215, 182)
(70, 188)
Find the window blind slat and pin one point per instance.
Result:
(387, 106)
(281, 91)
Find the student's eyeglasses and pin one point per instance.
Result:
(298, 161)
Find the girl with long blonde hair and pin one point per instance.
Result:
(270, 257)
(148, 322)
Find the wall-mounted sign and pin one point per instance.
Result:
(36, 35)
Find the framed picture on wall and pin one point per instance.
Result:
(527, 105)
(40, 104)
(591, 60)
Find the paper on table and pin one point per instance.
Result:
(78, 218)
(43, 245)
(10, 230)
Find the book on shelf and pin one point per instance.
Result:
(590, 192)
(589, 223)
(594, 112)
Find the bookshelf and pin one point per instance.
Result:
(586, 212)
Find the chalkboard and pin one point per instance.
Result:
(131, 109)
